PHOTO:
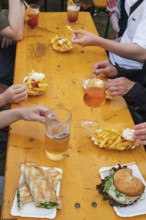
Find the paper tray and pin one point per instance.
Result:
(138, 208)
(30, 210)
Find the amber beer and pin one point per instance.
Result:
(95, 93)
(57, 145)
(57, 136)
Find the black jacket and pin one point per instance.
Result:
(136, 97)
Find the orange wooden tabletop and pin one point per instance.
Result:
(65, 73)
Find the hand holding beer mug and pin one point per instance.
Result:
(94, 92)
(32, 16)
(73, 8)
(58, 123)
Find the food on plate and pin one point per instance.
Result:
(39, 185)
(61, 44)
(36, 83)
(23, 195)
(113, 139)
(121, 187)
(97, 81)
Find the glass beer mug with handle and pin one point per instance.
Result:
(95, 93)
(58, 123)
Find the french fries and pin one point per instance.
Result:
(61, 44)
(36, 86)
(111, 139)
(107, 94)
(69, 28)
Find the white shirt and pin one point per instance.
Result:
(135, 33)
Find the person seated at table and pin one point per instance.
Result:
(33, 113)
(4, 3)
(11, 31)
(129, 51)
(129, 83)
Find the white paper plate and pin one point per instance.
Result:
(30, 210)
(138, 208)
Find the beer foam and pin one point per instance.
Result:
(95, 82)
(73, 8)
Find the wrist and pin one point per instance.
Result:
(17, 114)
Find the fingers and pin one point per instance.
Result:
(6, 42)
(140, 126)
(19, 88)
(18, 93)
(75, 34)
(42, 111)
(140, 133)
(39, 113)
(20, 98)
(3, 42)
(118, 86)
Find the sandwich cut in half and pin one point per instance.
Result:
(39, 186)
(121, 188)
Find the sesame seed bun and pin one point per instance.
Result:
(128, 184)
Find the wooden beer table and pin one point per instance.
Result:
(65, 73)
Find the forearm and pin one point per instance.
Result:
(9, 116)
(117, 39)
(16, 19)
(129, 51)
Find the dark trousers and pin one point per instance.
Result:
(7, 64)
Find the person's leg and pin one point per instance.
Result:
(7, 63)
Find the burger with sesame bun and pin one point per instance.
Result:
(121, 187)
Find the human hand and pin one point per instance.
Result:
(140, 133)
(15, 94)
(88, 39)
(33, 113)
(119, 86)
(5, 42)
(106, 68)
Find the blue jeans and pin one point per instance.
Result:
(7, 64)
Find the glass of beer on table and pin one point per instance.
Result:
(73, 8)
(58, 124)
(32, 16)
(94, 92)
